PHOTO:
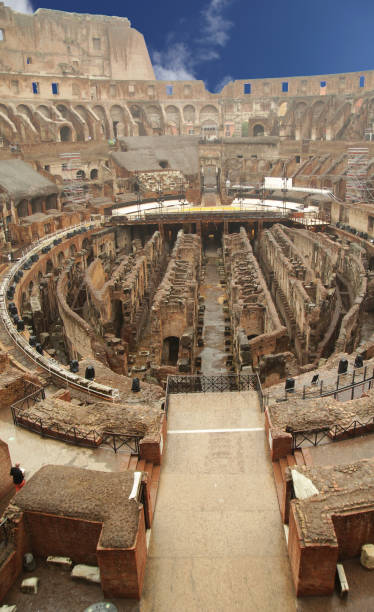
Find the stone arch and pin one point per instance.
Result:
(300, 109)
(317, 109)
(86, 118)
(37, 205)
(44, 110)
(209, 129)
(209, 113)
(4, 109)
(258, 130)
(25, 110)
(48, 266)
(154, 117)
(22, 208)
(172, 114)
(136, 111)
(117, 115)
(51, 201)
(100, 112)
(189, 113)
(60, 258)
(66, 134)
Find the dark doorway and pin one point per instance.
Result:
(170, 350)
(65, 134)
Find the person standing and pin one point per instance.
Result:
(18, 477)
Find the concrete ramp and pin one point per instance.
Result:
(217, 539)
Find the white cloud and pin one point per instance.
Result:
(179, 60)
(22, 6)
(215, 26)
(174, 63)
(220, 85)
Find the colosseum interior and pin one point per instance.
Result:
(187, 317)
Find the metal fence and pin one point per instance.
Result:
(71, 435)
(218, 383)
(334, 432)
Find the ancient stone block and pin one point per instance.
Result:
(367, 556)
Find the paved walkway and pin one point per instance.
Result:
(217, 540)
(213, 356)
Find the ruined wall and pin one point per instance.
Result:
(306, 305)
(96, 81)
(256, 324)
(174, 309)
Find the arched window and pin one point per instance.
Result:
(258, 130)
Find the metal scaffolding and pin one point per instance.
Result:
(358, 188)
(73, 178)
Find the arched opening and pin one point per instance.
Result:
(49, 267)
(93, 174)
(40, 276)
(81, 175)
(22, 208)
(51, 202)
(73, 250)
(37, 205)
(60, 258)
(65, 134)
(258, 130)
(170, 350)
(31, 286)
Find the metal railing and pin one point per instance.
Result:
(334, 432)
(341, 385)
(72, 434)
(218, 383)
(32, 393)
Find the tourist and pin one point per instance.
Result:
(18, 478)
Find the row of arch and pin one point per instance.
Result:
(70, 121)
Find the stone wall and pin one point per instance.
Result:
(174, 309)
(256, 325)
(305, 304)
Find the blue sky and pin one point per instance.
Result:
(221, 40)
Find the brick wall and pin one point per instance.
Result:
(313, 567)
(66, 537)
(6, 482)
(122, 571)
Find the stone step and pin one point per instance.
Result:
(133, 462)
(149, 469)
(299, 457)
(141, 465)
(307, 456)
(278, 480)
(283, 465)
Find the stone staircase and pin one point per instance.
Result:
(282, 484)
(132, 462)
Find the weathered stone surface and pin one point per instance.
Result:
(30, 585)
(86, 572)
(367, 556)
(63, 562)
